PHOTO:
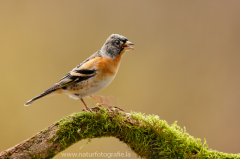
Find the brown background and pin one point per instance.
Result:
(185, 66)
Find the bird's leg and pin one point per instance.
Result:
(85, 104)
(104, 100)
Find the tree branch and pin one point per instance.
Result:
(147, 136)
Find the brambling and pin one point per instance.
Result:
(93, 74)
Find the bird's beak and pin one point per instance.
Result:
(127, 47)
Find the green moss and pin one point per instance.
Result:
(51, 154)
(148, 136)
(36, 156)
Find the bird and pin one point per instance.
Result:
(93, 74)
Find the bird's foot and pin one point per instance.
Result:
(106, 104)
(88, 109)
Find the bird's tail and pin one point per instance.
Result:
(50, 91)
(36, 98)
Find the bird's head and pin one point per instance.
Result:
(116, 45)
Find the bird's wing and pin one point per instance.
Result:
(76, 76)
(82, 72)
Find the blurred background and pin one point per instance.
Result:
(185, 66)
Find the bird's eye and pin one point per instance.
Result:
(117, 42)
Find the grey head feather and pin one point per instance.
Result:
(113, 45)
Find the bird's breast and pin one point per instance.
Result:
(108, 67)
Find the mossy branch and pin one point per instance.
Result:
(147, 136)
